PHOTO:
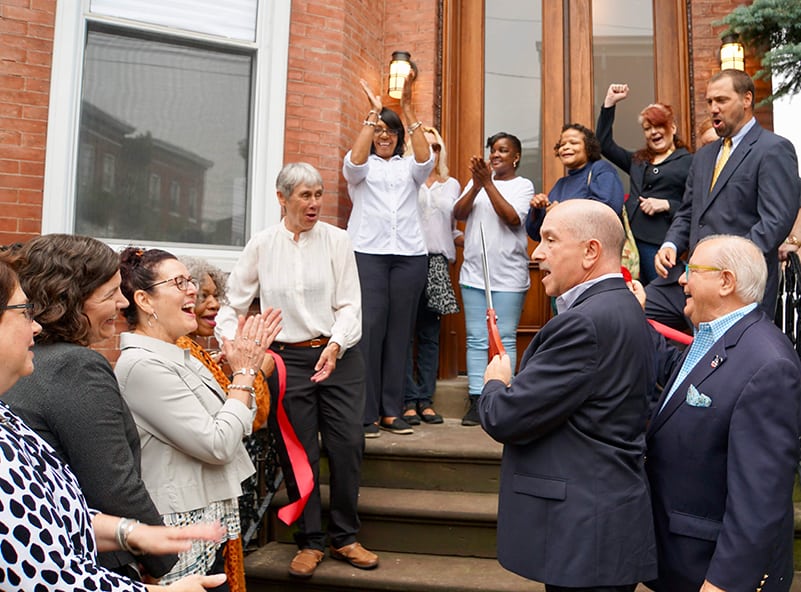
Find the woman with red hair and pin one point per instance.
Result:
(658, 172)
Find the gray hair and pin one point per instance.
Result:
(198, 268)
(745, 260)
(294, 174)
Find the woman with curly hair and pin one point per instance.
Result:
(210, 296)
(588, 177)
(72, 400)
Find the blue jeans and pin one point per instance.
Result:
(421, 389)
(647, 268)
(508, 306)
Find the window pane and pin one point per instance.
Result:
(235, 19)
(623, 52)
(164, 135)
(513, 79)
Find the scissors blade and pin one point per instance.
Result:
(485, 266)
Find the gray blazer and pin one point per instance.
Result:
(191, 434)
(73, 401)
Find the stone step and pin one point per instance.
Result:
(266, 571)
(450, 398)
(417, 521)
(447, 456)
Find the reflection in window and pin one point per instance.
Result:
(109, 166)
(623, 52)
(172, 114)
(513, 78)
(175, 198)
(154, 190)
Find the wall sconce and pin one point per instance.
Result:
(399, 68)
(732, 54)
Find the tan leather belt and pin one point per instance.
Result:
(310, 343)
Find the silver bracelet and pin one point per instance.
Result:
(244, 372)
(124, 528)
(370, 123)
(245, 387)
(412, 128)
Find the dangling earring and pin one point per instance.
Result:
(152, 316)
(516, 162)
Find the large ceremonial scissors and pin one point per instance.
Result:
(495, 344)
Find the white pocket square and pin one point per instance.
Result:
(697, 399)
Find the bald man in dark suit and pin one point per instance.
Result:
(574, 510)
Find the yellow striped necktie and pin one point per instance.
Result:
(724, 156)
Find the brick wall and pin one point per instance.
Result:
(706, 55)
(26, 45)
(332, 45)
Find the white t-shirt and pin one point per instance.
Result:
(436, 207)
(385, 219)
(507, 255)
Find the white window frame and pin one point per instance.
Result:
(271, 50)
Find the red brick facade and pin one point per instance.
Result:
(332, 45)
(26, 50)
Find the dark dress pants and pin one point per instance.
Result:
(420, 385)
(391, 287)
(334, 409)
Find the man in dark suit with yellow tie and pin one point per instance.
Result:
(745, 184)
(722, 444)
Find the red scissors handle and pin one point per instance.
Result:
(495, 345)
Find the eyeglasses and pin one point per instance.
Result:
(181, 282)
(436, 147)
(378, 130)
(26, 308)
(690, 267)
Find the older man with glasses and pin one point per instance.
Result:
(722, 444)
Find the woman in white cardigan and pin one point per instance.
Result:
(191, 430)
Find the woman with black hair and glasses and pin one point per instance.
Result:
(391, 253)
(190, 428)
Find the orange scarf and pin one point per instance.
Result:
(262, 391)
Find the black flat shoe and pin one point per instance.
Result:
(396, 426)
(410, 415)
(429, 417)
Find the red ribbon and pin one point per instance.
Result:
(298, 458)
(671, 333)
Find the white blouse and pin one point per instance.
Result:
(436, 206)
(385, 219)
(507, 253)
(314, 281)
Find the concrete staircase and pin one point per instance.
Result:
(428, 507)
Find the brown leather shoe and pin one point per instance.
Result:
(356, 555)
(305, 562)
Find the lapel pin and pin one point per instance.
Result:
(716, 361)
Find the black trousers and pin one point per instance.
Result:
(391, 287)
(333, 409)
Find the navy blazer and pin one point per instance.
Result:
(722, 476)
(573, 507)
(756, 196)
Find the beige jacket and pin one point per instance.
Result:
(191, 434)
